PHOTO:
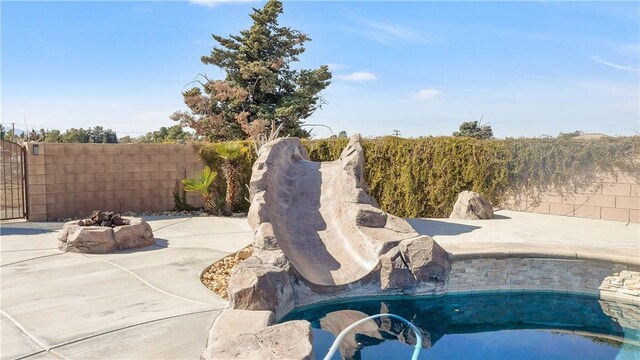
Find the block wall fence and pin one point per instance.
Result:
(68, 180)
(617, 199)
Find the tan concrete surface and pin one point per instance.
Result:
(14, 342)
(169, 339)
(150, 303)
(530, 235)
(79, 306)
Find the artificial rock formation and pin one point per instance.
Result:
(290, 340)
(318, 234)
(471, 206)
(78, 237)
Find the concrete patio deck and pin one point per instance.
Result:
(144, 304)
(513, 233)
(150, 304)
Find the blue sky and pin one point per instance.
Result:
(530, 68)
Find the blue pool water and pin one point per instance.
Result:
(480, 326)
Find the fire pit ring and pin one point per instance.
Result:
(116, 233)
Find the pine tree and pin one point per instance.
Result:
(260, 84)
(474, 129)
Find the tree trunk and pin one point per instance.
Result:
(231, 176)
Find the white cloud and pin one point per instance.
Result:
(629, 49)
(392, 35)
(336, 66)
(427, 94)
(357, 76)
(213, 3)
(615, 66)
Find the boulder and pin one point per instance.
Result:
(243, 254)
(136, 235)
(76, 237)
(471, 206)
(86, 239)
(257, 286)
(394, 274)
(369, 216)
(426, 260)
(398, 225)
(289, 340)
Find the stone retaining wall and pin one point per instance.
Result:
(605, 279)
(68, 180)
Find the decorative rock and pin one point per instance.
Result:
(243, 254)
(257, 286)
(369, 216)
(427, 260)
(471, 206)
(216, 278)
(86, 239)
(137, 234)
(75, 237)
(117, 220)
(398, 225)
(394, 274)
(290, 340)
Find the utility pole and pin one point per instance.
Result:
(396, 132)
(13, 131)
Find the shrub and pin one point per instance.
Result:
(202, 185)
(232, 154)
(422, 177)
(207, 152)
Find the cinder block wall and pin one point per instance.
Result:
(618, 199)
(67, 180)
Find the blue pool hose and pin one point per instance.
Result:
(343, 333)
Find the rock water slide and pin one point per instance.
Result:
(318, 233)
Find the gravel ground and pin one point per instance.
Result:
(217, 276)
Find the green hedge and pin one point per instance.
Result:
(422, 177)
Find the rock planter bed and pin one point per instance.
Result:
(216, 276)
(105, 232)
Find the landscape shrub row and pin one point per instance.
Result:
(422, 177)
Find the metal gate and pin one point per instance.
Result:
(13, 176)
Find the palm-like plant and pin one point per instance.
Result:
(230, 152)
(202, 184)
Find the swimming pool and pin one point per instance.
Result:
(480, 326)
